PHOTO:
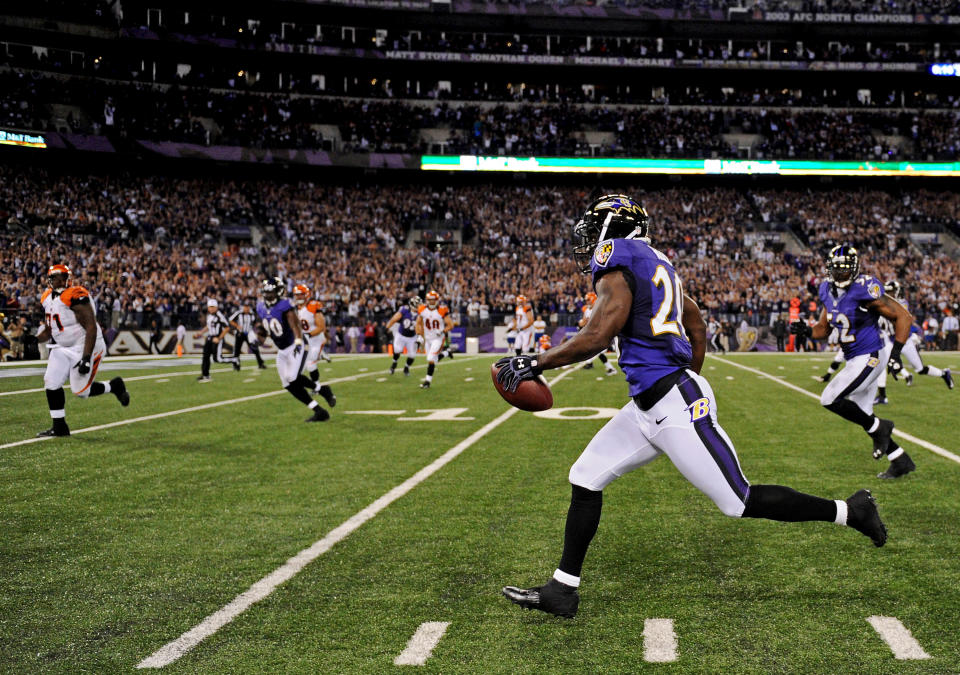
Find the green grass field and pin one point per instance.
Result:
(117, 541)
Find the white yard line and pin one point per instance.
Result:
(901, 642)
(172, 651)
(421, 645)
(659, 641)
(176, 374)
(936, 449)
(126, 379)
(182, 411)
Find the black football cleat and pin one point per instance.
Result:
(236, 365)
(203, 378)
(588, 366)
(880, 400)
(262, 366)
(948, 378)
(119, 389)
(901, 466)
(319, 415)
(908, 380)
(862, 515)
(393, 368)
(425, 384)
(881, 438)
(406, 371)
(553, 598)
(59, 428)
(825, 378)
(327, 393)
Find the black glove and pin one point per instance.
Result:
(513, 370)
(801, 330)
(84, 366)
(297, 349)
(894, 364)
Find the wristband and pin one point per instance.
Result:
(895, 352)
(298, 342)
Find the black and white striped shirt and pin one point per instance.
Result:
(243, 319)
(216, 322)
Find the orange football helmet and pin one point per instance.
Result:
(301, 292)
(58, 275)
(591, 297)
(521, 299)
(433, 299)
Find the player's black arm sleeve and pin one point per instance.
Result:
(821, 329)
(888, 307)
(610, 313)
(696, 329)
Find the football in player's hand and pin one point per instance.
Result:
(531, 395)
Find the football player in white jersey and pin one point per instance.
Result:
(910, 353)
(523, 324)
(433, 323)
(70, 321)
(314, 327)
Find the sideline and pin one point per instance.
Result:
(205, 406)
(172, 651)
(936, 449)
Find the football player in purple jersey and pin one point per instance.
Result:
(279, 320)
(673, 411)
(405, 337)
(853, 304)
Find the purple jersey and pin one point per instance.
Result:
(652, 342)
(275, 322)
(858, 327)
(408, 322)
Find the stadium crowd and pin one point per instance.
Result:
(205, 117)
(150, 247)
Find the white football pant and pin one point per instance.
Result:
(683, 426)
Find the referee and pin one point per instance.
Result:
(216, 329)
(242, 321)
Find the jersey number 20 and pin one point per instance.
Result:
(672, 304)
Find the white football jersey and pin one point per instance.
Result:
(433, 321)
(308, 316)
(61, 319)
(522, 322)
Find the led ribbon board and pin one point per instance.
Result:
(701, 167)
(22, 139)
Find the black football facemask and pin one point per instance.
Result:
(271, 290)
(843, 265)
(609, 217)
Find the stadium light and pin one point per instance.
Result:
(701, 167)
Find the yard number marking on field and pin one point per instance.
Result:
(936, 449)
(659, 641)
(206, 406)
(421, 645)
(172, 651)
(902, 643)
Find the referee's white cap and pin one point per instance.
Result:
(212, 303)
